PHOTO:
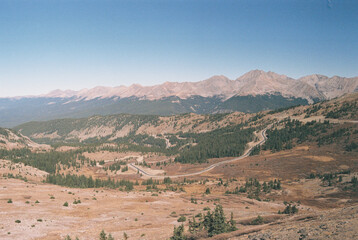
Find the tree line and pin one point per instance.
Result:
(70, 180)
(46, 161)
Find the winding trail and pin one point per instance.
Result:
(246, 154)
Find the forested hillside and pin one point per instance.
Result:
(294, 132)
(114, 127)
(224, 142)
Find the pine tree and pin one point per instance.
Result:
(213, 222)
(232, 223)
(219, 221)
(265, 187)
(102, 235)
(194, 226)
(278, 185)
(208, 222)
(178, 233)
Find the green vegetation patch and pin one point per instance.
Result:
(224, 142)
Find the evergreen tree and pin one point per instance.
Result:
(257, 221)
(208, 222)
(232, 223)
(290, 209)
(265, 187)
(178, 233)
(102, 235)
(219, 221)
(194, 226)
(213, 222)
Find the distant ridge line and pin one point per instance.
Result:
(255, 82)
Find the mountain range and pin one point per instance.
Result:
(256, 82)
(252, 92)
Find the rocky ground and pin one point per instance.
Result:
(339, 224)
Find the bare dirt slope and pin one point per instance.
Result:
(116, 212)
(144, 215)
(335, 224)
(10, 139)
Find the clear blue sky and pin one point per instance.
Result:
(48, 44)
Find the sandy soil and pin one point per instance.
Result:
(135, 213)
(115, 212)
(28, 172)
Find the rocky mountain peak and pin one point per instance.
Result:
(255, 82)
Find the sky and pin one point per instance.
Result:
(48, 44)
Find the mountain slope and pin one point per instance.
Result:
(15, 112)
(260, 82)
(112, 127)
(331, 87)
(10, 139)
(254, 91)
(122, 125)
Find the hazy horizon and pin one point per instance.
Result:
(47, 45)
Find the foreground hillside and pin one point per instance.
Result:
(332, 224)
(41, 213)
